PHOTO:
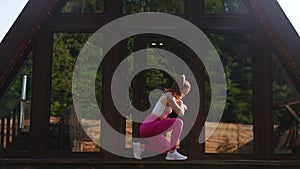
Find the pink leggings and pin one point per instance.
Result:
(152, 130)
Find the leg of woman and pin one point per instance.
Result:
(157, 128)
(157, 144)
(176, 132)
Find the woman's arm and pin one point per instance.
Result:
(177, 105)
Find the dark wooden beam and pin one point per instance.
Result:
(87, 22)
(41, 94)
(230, 23)
(283, 27)
(25, 29)
(191, 145)
(262, 95)
(78, 22)
(109, 111)
(139, 85)
(194, 9)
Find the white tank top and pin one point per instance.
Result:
(160, 109)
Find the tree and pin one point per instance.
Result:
(66, 49)
(225, 6)
(83, 6)
(166, 6)
(12, 96)
(235, 54)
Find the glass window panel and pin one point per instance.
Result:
(286, 99)
(164, 6)
(234, 133)
(83, 6)
(151, 79)
(65, 132)
(225, 7)
(158, 79)
(15, 106)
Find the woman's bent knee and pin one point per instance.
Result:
(178, 122)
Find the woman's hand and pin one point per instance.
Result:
(176, 104)
(181, 104)
(184, 107)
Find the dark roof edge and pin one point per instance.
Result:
(19, 37)
(282, 25)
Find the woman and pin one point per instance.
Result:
(157, 123)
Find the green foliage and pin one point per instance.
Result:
(83, 6)
(235, 54)
(157, 78)
(165, 6)
(234, 51)
(225, 7)
(66, 48)
(13, 95)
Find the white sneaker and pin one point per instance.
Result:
(175, 156)
(137, 150)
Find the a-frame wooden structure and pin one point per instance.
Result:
(272, 34)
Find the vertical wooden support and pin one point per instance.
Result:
(41, 94)
(109, 111)
(190, 145)
(139, 86)
(2, 121)
(262, 96)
